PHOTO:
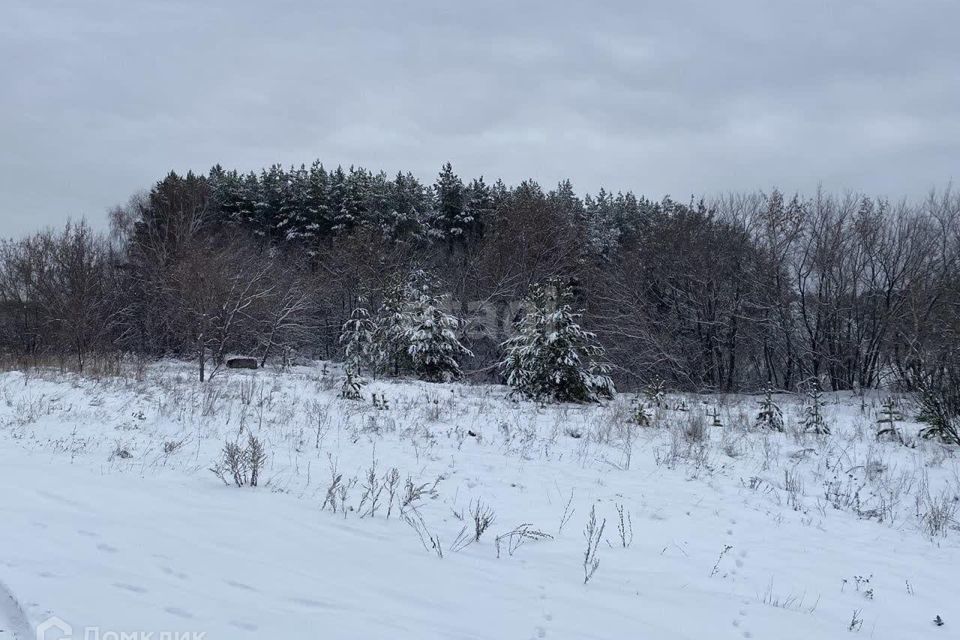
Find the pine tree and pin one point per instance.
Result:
(392, 330)
(434, 348)
(889, 417)
(340, 216)
(603, 234)
(813, 420)
(769, 417)
(357, 339)
(552, 357)
(353, 210)
(450, 219)
(292, 217)
(268, 207)
(233, 196)
(250, 194)
(500, 195)
(478, 209)
(318, 219)
(378, 205)
(565, 201)
(225, 190)
(408, 206)
(352, 387)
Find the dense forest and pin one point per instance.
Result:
(731, 293)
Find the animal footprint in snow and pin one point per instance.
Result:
(245, 626)
(313, 604)
(541, 630)
(132, 588)
(106, 548)
(738, 622)
(176, 574)
(239, 585)
(177, 611)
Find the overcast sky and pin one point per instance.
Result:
(101, 98)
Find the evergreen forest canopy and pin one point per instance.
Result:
(726, 294)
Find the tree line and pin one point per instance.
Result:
(732, 293)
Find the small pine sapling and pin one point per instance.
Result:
(356, 337)
(887, 424)
(357, 340)
(813, 421)
(352, 388)
(715, 417)
(770, 417)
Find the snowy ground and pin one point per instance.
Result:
(111, 520)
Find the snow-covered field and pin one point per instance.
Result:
(111, 520)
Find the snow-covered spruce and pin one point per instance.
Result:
(356, 336)
(392, 330)
(553, 357)
(434, 349)
(357, 340)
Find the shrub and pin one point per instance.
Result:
(483, 516)
(241, 464)
(655, 393)
(639, 414)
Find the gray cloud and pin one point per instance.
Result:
(102, 98)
